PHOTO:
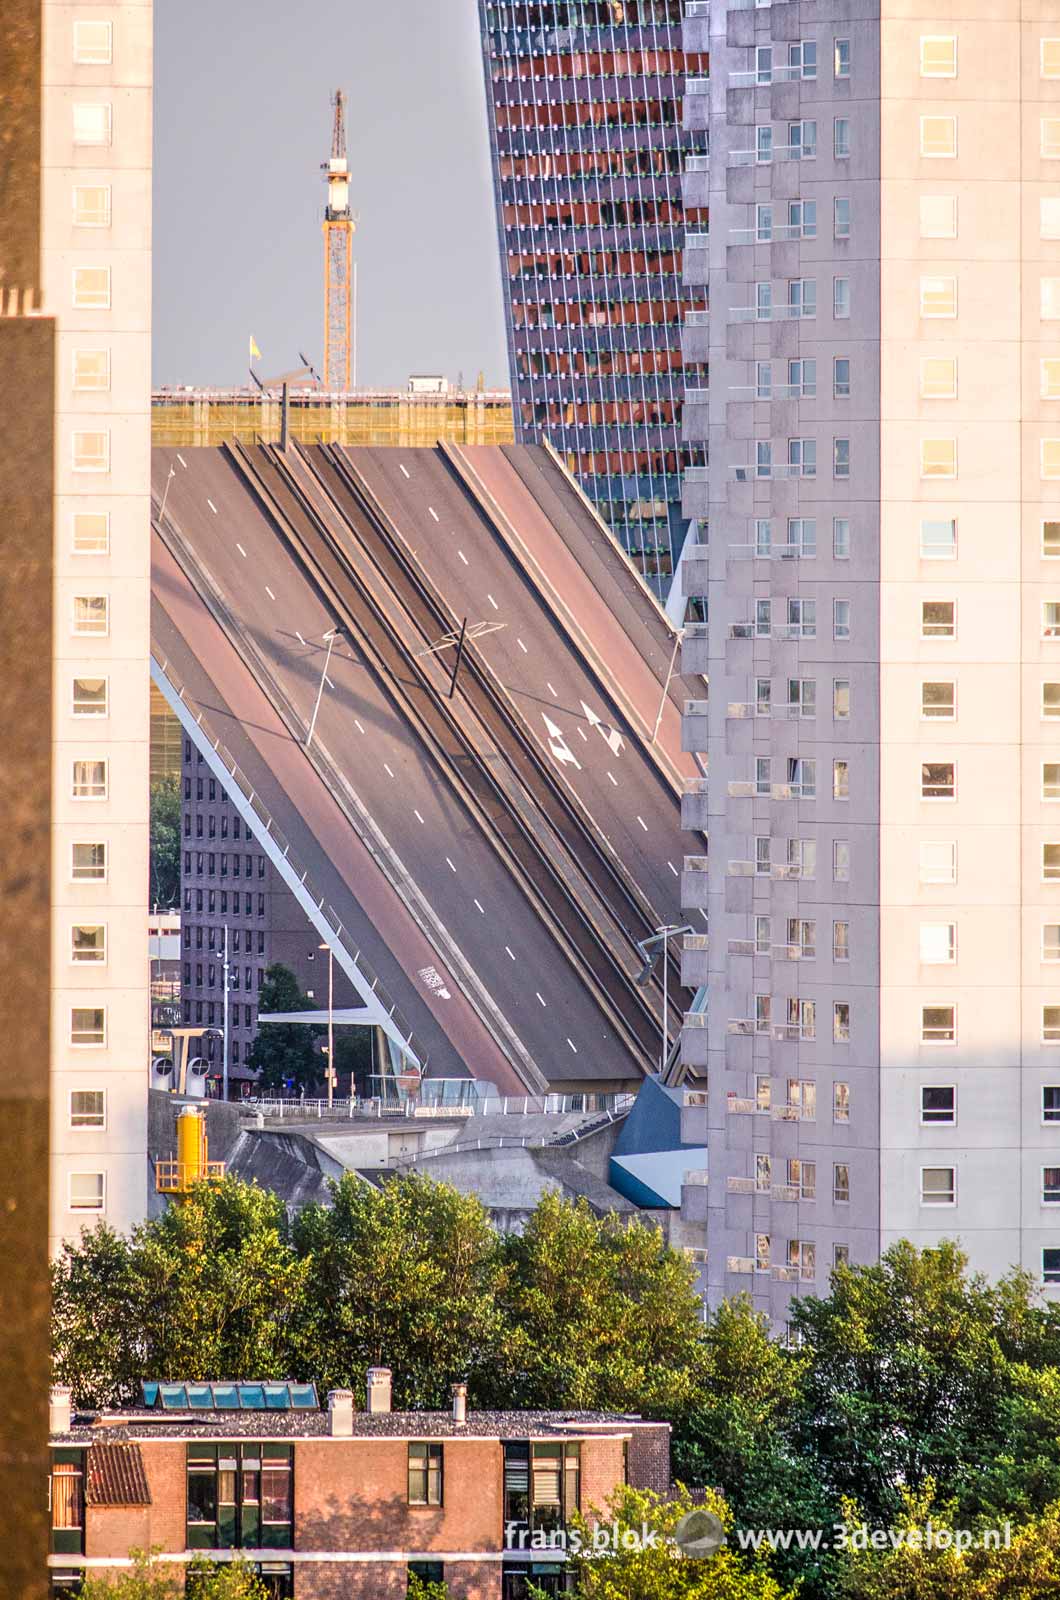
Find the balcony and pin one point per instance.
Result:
(741, 630)
(741, 1027)
(739, 869)
(741, 947)
(695, 653)
(786, 1192)
(790, 1033)
(740, 1264)
(697, 8)
(695, 883)
(694, 959)
(694, 805)
(697, 241)
(698, 163)
(741, 789)
(788, 1113)
(781, 791)
(786, 952)
(745, 1186)
(694, 1039)
(737, 1106)
(739, 710)
(694, 1178)
(694, 560)
(785, 871)
(695, 726)
(785, 1274)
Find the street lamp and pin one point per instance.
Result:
(331, 635)
(650, 949)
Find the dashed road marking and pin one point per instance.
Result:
(643, 824)
(614, 780)
(550, 689)
(211, 505)
(481, 907)
(573, 1046)
(243, 553)
(522, 647)
(463, 558)
(673, 869)
(584, 735)
(541, 998)
(449, 864)
(269, 592)
(510, 951)
(416, 814)
(387, 769)
(404, 469)
(433, 513)
(357, 725)
(297, 635)
(493, 602)
(182, 461)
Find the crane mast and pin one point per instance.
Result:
(339, 271)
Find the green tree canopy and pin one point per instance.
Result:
(165, 841)
(284, 1051)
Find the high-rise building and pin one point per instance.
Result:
(878, 543)
(96, 243)
(600, 164)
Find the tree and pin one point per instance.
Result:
(152, 1577)
(283, 1051)
(405, 1276)
(643, 1562)
(600, 1314)
(165, 841)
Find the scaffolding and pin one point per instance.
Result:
(198, 417)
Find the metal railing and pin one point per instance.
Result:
(177, 1177)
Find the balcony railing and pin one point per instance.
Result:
(741, 1264)
(697, 241)
(787, 1113)
(737, 710)
(697, 86)
(741, 789)
(696, 319)
(737, 1105)
(746, 1186)
(694, 397)
(740, 869)
(743, 1027)
(741, 947)
(697, 163)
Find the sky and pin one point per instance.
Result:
(242, 125)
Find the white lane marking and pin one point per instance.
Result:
(673, 869)
(463, 558)
(449, 864)
(416, 814)
(358, 726)
(404, 469)
(558, 745)
(481, 907)
(611, 737)
(493, 602)
(182, 461)
(614, 780)
(269, 592)
(387, 769)
(584, 735)
(573, 1046)
(543, 1001)
(243, 553)
(510, 951)
(328, 682)
(522, 647)
(298, 636)
(643, 824)
(211, 505)
(433, 513)
(550, 689)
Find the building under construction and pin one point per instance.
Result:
(406, 417)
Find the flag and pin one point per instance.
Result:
(255, 353)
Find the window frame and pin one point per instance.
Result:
(952, 1201)
(931, 1118)
(82, 1126)
(927, 71)
(97, 1210)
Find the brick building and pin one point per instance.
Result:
(342, 1502)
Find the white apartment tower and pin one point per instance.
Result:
(879, 572)
(96, 237)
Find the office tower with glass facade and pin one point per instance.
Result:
(597, 116)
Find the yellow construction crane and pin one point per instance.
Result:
(340, 299)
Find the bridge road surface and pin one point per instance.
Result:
(398, 782)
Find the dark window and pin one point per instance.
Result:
(425, 1474)
(261, 941)
(938, 1104)
(427, 1571)
(187, 788)
(186, 935)
(224, 863)
(213, 788)
(542, 1484)
(187, 749)
(224, 826)
(187, 862)
(67, 1495)
(198, 788)
(187, 824)
(240, 1496)
(248, 1016)
(547, 1576)
(1051, 1103)
(235, 827)
(198, 862)
(211, 826)
(211, 862)
(261, 866)
(224, 899)
(212, 900)
(198, 826)
(235, 866)
(249, 863)
(261, 905)
(237, 937)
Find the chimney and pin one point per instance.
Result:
(378, 1389)
(60, 1409)
(340, 1413)
(459, 1404)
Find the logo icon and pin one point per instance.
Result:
(699, 1534)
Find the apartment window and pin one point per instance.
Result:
(88, 944)
(938, 619)
(763, 1012)
(802, 696)
(938, 378)
(425, 1474)
(1050, 1266)
(938, 701)
(1051, 863)
(802, 1175)
(802, 1256)
(840, 780)
(938, 1025)
(764, 65)
(92, 122)
(802, 379)
(1051, 1024)
(841, 58)
(1049, 299)
(840, 619)
(763, 144)
(91, 451)
(92, 288)
(88, 1108)
(841, 941)
(802, 855)
(1050, 700)
(841, 138)
(938, 137)
(542, 1483)
(802, 219)
(938, 458)
(802, 1018)
(1051, 941)
(92, 205)
(802, 777)
(763, 936)
(841, 298)
(938, 55)
(802, 1097)
(91, 369)
(763, 301)
(841, 1022)
(763, 619)
(763, 770)
(802, 141)
(763, 380)
(1050, 58)
(841, 466)
(938, 861)
(938, 780)
(802, 297)
(802, 60)
(802, 457)
(1049, 217)
(88, 863)
(840, 1102)
(239, 1495)
(763, 459)
(90, 534)
(1050, 377)
(1050, 134)
(938, 216)
(841, 538)
(1050, 1185)
(89, 780)
(938, 943)
(1050, 619)
(90, 697)
(841, 1183)
(87, 1191)
(763, 223)
(841, 378)
(88, 1026)
(938, 296)
(1051, 1103)
(938, 1103)
(840, 861)
(763, 532)
(802, 934)
(938, 1186)
(841, 699)
(91, 614)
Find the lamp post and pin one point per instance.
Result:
(650, 949)
(666, 686)
(331, 635)
(224, 1021)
